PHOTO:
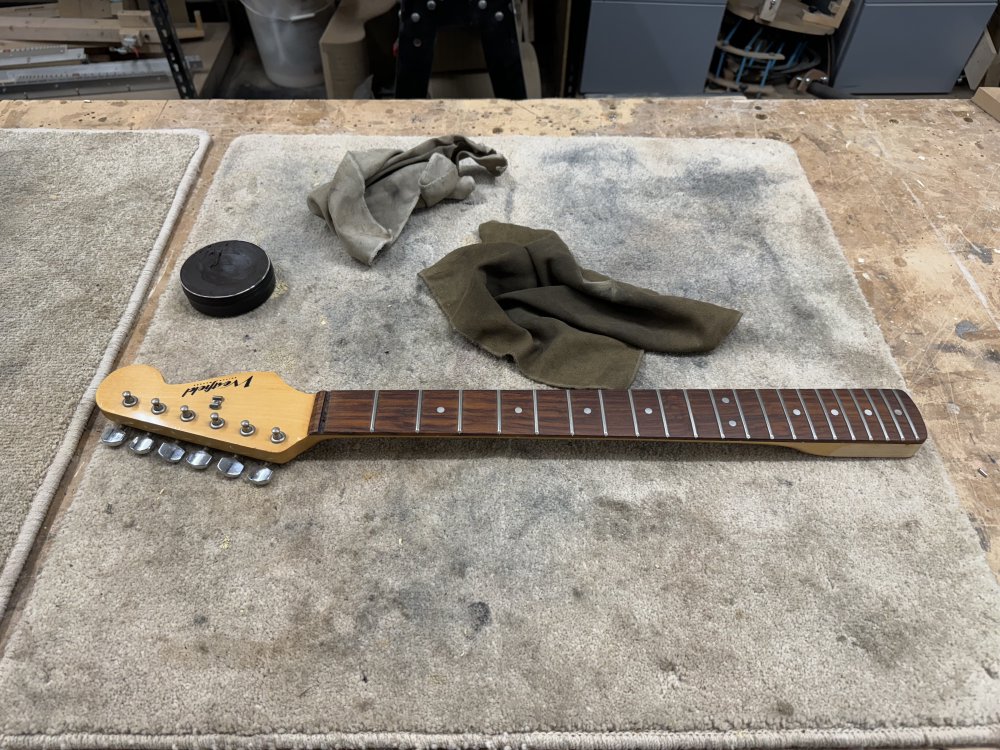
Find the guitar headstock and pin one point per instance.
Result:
(255, 414)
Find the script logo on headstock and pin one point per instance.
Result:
(206, 387)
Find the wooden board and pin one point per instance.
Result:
(910, 187)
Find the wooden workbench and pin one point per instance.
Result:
(910, 187)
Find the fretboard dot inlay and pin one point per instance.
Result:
(725, 399)
(834, 412)
(587, 410)
(440, 410)
(796, 412)
(898, 412)
(647, 410)
(518, 410)
(868, 412)
(732, 422)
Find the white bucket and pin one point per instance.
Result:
(287, 33)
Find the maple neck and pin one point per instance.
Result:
(868, 420)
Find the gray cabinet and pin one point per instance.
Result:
(652, 47)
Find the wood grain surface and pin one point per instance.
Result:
(910, 187)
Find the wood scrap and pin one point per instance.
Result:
(988, 98)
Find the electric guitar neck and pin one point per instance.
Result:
(256, 414)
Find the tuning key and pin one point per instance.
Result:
(113, 435)
(260, 476)
(170, 452)
(141, 445)
(199, 459)
(230, 467)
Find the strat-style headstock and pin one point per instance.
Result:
(253, 414)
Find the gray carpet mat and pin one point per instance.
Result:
(542, 594)
(85, 216)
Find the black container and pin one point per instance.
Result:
(227, 278)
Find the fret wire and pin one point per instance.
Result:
(906, 413)
(805, 409)
(841, 405)
(763, 410)
(718, 419)
(374, 409)
(569, 409)
(461, 399)
(604, 421)
(663, 413)
(635, 420)
(746, 430)
(826, 413)
(534, 408)
(892, 414)
(875, 409)
(860, 413)
(499, 421)
(687, 401)
(785, 409)
(420, 408)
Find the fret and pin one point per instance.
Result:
(730, 415)
(587, 413)
(906, 413)
(840, 404)
(478, 413)
(645, 407)
(534, 408)
(895, 421)
(635, 418)
(687, 400)
(396, 413)
(861, 414)
(816, 413)
(569, 411)
(604, 419)
(552, 414)
(763, 410)
(518, 414)
(499, 418)
(439, 412)
(877, 415)
(805, 409)
(461, 406)
(663, 413)
(743, 419)
(788, 419)
(618, 422)
(371, 428)
(420, 406)
(715, 409)
(826, 413)
(348, 412)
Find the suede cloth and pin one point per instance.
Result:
(521, 293)
(371, 196)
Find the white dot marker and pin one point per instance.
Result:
(732, 422)
(834, 412)
(796, 412)
(587, 410)
(440, 410)
(518, 409)
(647, 410)
(898, 412)
(868, 412)
(725, 399)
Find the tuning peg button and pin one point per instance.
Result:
(170, 452)
(141, 445)
(113, 435)
(230, 468)
(260, 476)
(200, 459)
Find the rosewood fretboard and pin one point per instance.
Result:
(858, 416)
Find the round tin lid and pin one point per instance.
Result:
(227, 278)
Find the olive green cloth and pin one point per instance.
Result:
(521, 293)
(372, 194)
